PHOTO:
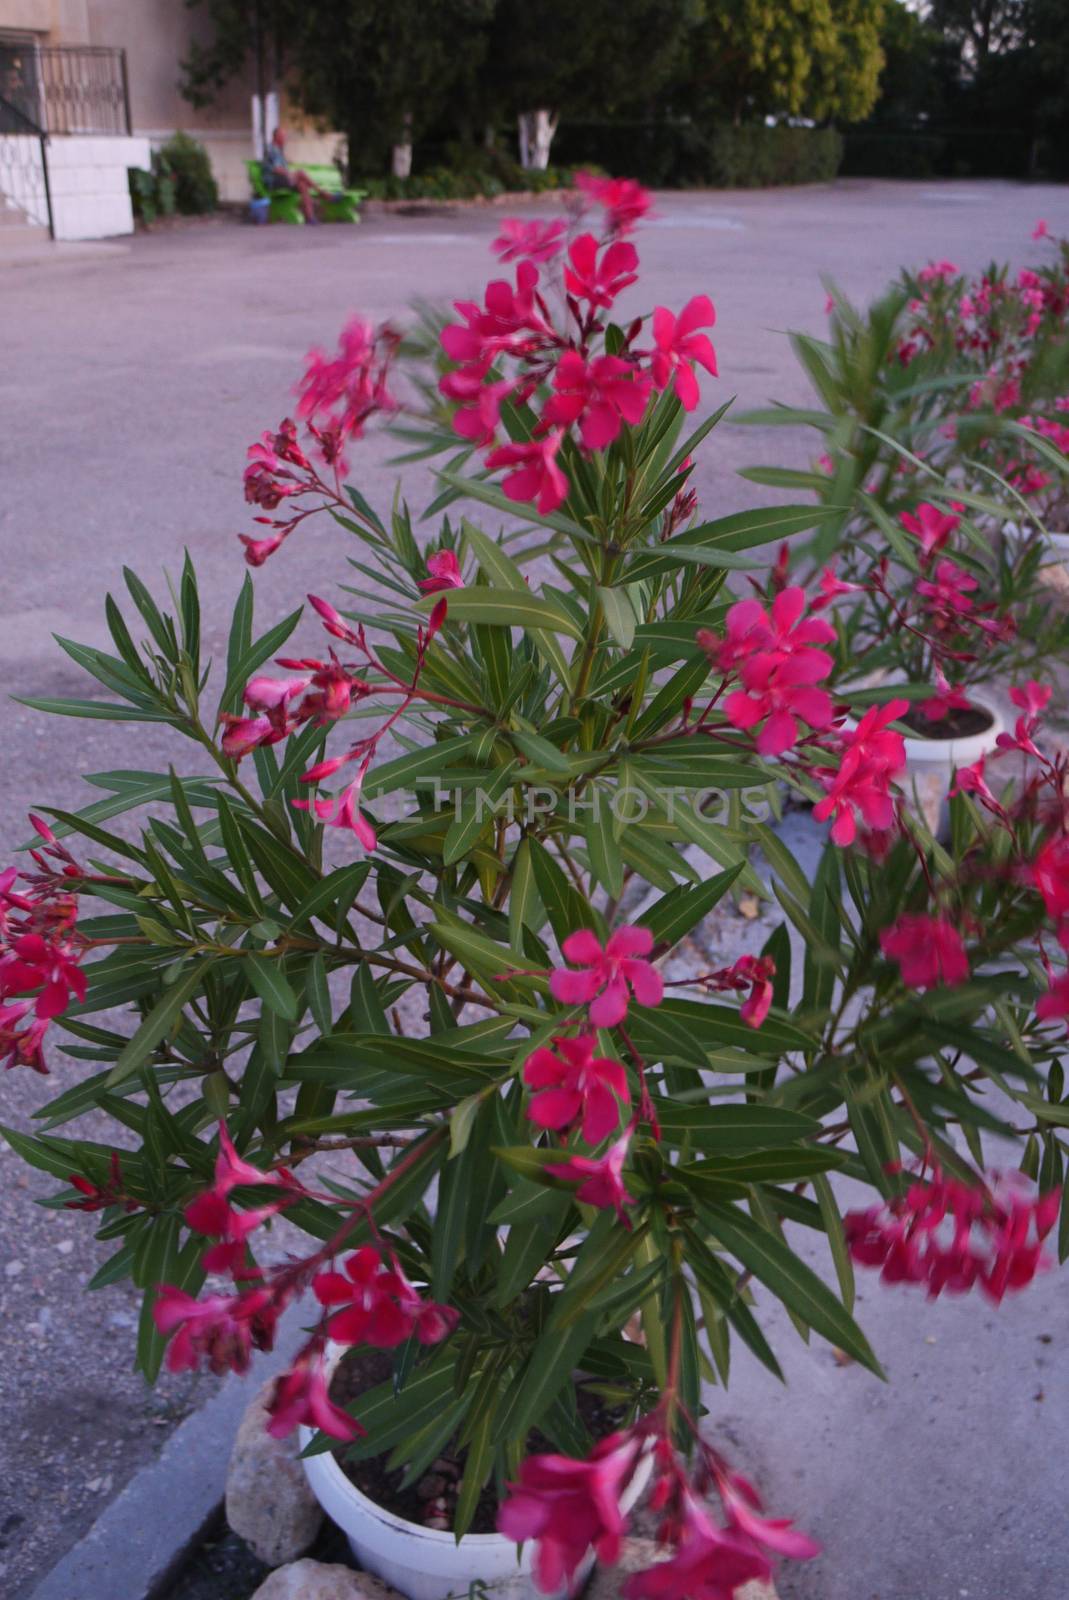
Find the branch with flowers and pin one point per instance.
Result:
(427, 1019)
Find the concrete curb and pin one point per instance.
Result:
(140, 1541)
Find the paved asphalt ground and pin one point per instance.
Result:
(132, 377)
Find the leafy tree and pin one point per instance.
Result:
(816, 58)
(379, 73)
(557, 58)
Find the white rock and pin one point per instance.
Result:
(314, 1580)
(268, 1501)
(636, 1555)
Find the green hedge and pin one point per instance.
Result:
(680, 155)
(447, 183)
(757, 157)
(187, 162)
(888, 152)
(663, 155)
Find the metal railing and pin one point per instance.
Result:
(67, 89)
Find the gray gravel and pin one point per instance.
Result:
(133, 378)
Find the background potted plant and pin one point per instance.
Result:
(543, 1178)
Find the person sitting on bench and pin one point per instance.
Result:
(278, 174)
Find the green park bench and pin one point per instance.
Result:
(286, 203)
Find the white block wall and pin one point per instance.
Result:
(90, 192)
(21, 179)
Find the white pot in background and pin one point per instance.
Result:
(428, 1563)
(931, 764)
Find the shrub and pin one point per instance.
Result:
(753, 156)
(454, 1063)
(196, 190)
(152, 192)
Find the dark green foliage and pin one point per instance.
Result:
(195, 189)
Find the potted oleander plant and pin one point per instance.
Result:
(393, 953)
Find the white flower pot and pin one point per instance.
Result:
(931, 764)
(428, 1563)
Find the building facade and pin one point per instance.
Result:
(98, 81)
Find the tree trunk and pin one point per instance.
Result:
(401, 158)
(536, 130)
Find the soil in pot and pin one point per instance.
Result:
(961, 723)
(431, 1500)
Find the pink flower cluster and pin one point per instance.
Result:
(861, 790)
(40, 950)
(957, 1236)
(569, 1507)
(337, 397)
(779, 663)
(592, 395)
(370, 1301)
(608, 974)
(322, 693)
(928, 950)
(752, 973)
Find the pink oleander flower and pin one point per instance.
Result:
(221, 1329)
(625, 201)
(948, 698)
(300, 1396)
(509, 322)
(210, 1212)
(1050, 875)
(22, 1046)
(379, 1305)
(873, 755)
(948, 589)
(957, 1236)
(928, 950)
(931, 526)
(607, 974)
(273, 694)
(709, 1563)
(529, 241)
(1054, 1005)
(601, 395)
(600, 1179)
(258, 550)
(938, 272)
(599, 282)
(445, 573)
(343, 391)
(343, 811)
(1041, 229)
(34, 962)
(754, 973)
(537, 477)
(1032, 702)
(743, 1508)
(333, 621)
(478, 420)
(244, 734)
(572, 1084)
(971, 780)
(678, 345)
(779, 665)
(569, 1506)
(832, 589)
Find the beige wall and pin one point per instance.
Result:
(64, 21)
